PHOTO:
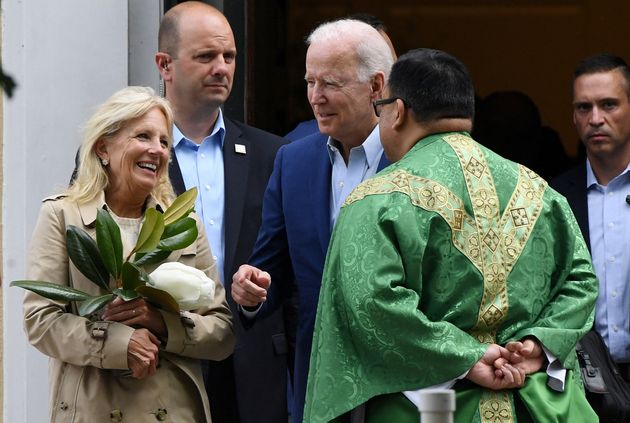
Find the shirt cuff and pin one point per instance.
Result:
(557, 374)
(250, 314)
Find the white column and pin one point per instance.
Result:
(66, 57)
(436, 405)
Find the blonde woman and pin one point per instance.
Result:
(134, 362)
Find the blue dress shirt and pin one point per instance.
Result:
(362, 164)
(202, 166)
(609, 229)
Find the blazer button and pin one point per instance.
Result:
(160, 414)
(116, 416)
(63, 405)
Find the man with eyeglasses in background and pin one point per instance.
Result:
(453, 267)
(347, 63)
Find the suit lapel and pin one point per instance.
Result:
(236, 172)
(383, 163)
(175, 174)
(319, 184)
(578, 199)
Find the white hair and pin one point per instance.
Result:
(372, 52)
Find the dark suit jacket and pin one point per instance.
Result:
(572, 184)
(257, 371)
(293, 241)
(302, 130)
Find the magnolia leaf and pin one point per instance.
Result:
(181, 207)
(133, 276)
(94, 304)
(85, 255)
(109, 242)
(155, 256)
(151, 231)
(179, 235)
(52, 291)
(160, 297)
(126, 294)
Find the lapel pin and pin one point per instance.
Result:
(240, 149)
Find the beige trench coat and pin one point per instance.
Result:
(84, 355)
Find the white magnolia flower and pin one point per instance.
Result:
(190, 287)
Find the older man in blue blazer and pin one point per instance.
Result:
(347, 64)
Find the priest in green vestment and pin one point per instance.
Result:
(453, 267)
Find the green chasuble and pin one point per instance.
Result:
(443, 252)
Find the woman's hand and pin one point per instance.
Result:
(142, 353)
(136, 313)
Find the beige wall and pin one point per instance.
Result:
(1, 237)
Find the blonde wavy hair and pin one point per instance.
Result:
(123, 106)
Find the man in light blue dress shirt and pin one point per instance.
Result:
(202, 166)
(599, 192)
(229, 162)
(347, 63)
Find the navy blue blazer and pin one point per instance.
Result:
(293, 241)
(302, 130)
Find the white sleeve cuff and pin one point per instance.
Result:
(557, 374)
(250, 314)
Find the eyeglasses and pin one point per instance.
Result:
(383, 101)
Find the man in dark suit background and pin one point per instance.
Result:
(598, 191)
(230, 164)
(347, 63)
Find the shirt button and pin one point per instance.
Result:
(611, 225)
(207, 187)
(115, 416)
(211, 221)
(614, 294)
(160, 414)
(203, 156)
(615, 328)
(611, 259)
(611, 193)
(214, 258)
(341, 184)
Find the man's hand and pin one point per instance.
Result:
(484, 373)
(142, 353)
(527, 355)
(250, 285)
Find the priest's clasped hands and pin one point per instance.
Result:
(506, 367)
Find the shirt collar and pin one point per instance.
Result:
(219, 128)
(591, 180)
(371, 146)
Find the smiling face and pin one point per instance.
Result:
(138, 155)
(341, 103)
(200, 73)
(601, 113)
